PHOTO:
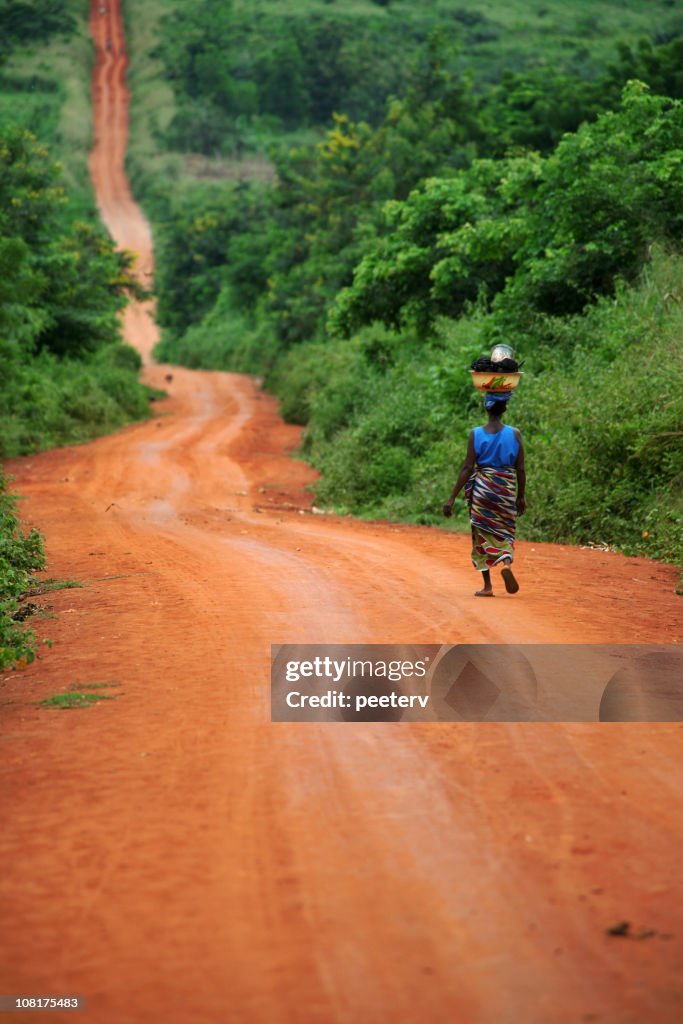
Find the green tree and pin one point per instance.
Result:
(29, 22)
(63, 286)
(543, 235)
(605, 194)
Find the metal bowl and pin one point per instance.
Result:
(501, 352)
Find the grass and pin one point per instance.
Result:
(49, 585)
(79, 698)
(73, 699)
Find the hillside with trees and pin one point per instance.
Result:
(483, 193)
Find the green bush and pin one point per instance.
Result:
(605, 426)
(321, 385)
(21, 555)
(48, 401)
(601, 413)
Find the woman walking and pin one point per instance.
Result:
(494, 480)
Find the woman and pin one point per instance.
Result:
(494, 480)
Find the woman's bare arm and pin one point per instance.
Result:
(463, 476)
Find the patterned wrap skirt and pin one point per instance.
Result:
(491, 494)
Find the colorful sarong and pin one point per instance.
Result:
(491, 494)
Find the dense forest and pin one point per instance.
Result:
(65, 377)
(503, 180)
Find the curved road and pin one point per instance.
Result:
(173, 856)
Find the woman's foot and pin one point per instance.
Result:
(487, 589)
(511, 584)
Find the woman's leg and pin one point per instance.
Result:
(487, 589)
(479, 563)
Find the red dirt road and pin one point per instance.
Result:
(173, 856)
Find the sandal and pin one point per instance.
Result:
(511, 584)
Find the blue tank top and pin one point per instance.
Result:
(495, 449)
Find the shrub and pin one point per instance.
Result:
(21, 555)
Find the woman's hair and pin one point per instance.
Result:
(498, 408)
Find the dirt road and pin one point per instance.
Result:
(173, 856)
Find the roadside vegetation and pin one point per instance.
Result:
(66, 377)
(21, 555)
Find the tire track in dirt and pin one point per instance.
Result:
(172, 855)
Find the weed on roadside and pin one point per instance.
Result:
(73, 700)
(79, 698)
(48, 585)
